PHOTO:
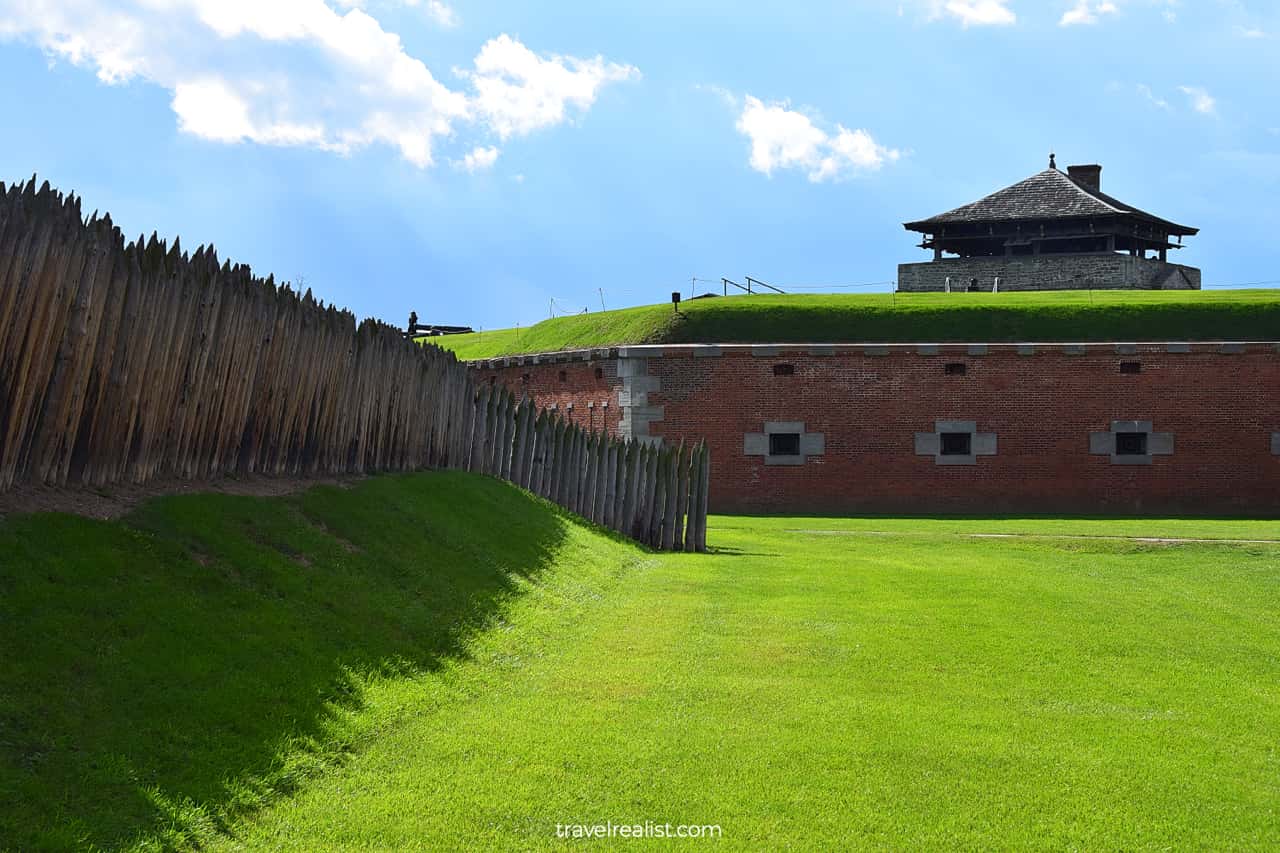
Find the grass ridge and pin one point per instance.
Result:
(1060, 316)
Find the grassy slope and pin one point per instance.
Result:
(921, 317)
(827, 692)
(160, 675)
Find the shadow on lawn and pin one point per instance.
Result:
(198, 658)
(724, 551)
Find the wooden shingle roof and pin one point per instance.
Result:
(1050, 194)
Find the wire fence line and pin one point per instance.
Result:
(134, 362)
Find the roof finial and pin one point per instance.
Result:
(1053, 160)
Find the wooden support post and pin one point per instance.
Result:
(601, 478)
(539, 457)
(631, 485)
(682, 498)
(704, 496)
(653, 510)
(592, 469)
(557, 462)
(671, 499)
(695, 499)
(609, 512)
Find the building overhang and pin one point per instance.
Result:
(1120, 223)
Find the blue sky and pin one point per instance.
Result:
(475, 159)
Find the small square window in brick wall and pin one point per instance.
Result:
(784, 370)
(956, 443)
(956, 368)
(784, 444)
(1130, 367)
(1131, 444)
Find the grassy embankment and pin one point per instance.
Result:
(164, 674)
(1068, 316)
(442, 662)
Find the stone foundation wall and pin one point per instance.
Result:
(1105, 271)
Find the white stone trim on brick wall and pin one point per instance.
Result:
(757, 443)
(980, 443)
(1104, 443)
(635, 386)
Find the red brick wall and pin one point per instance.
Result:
(1220, 406)
(594, 398)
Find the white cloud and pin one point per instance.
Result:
(975, 13)
(1087, 12)
(853, 150)
(780, 138)
(729, 98)
(1145, 91)
(441, 13)
(297, 72)
(1251, 33)
(783, 138)
(1201, 100)
(437, 10)
(209, 108)
(518, 91)
(479, 159)
(1198, 98)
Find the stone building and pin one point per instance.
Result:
(1052, 231)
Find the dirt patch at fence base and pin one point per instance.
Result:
(116, 500)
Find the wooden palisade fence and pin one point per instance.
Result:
(132, 362)
(657, 495)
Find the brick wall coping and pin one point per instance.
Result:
(874, 350)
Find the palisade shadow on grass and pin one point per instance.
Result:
(205, 654)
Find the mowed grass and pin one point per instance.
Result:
(1067, 316)
(167, 674)
(874, 685)
(443, 662)
(644, 324)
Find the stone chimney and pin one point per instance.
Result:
(1089, 177)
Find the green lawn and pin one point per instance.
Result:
(442, 662)
(1068, 316)
(162, 675)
